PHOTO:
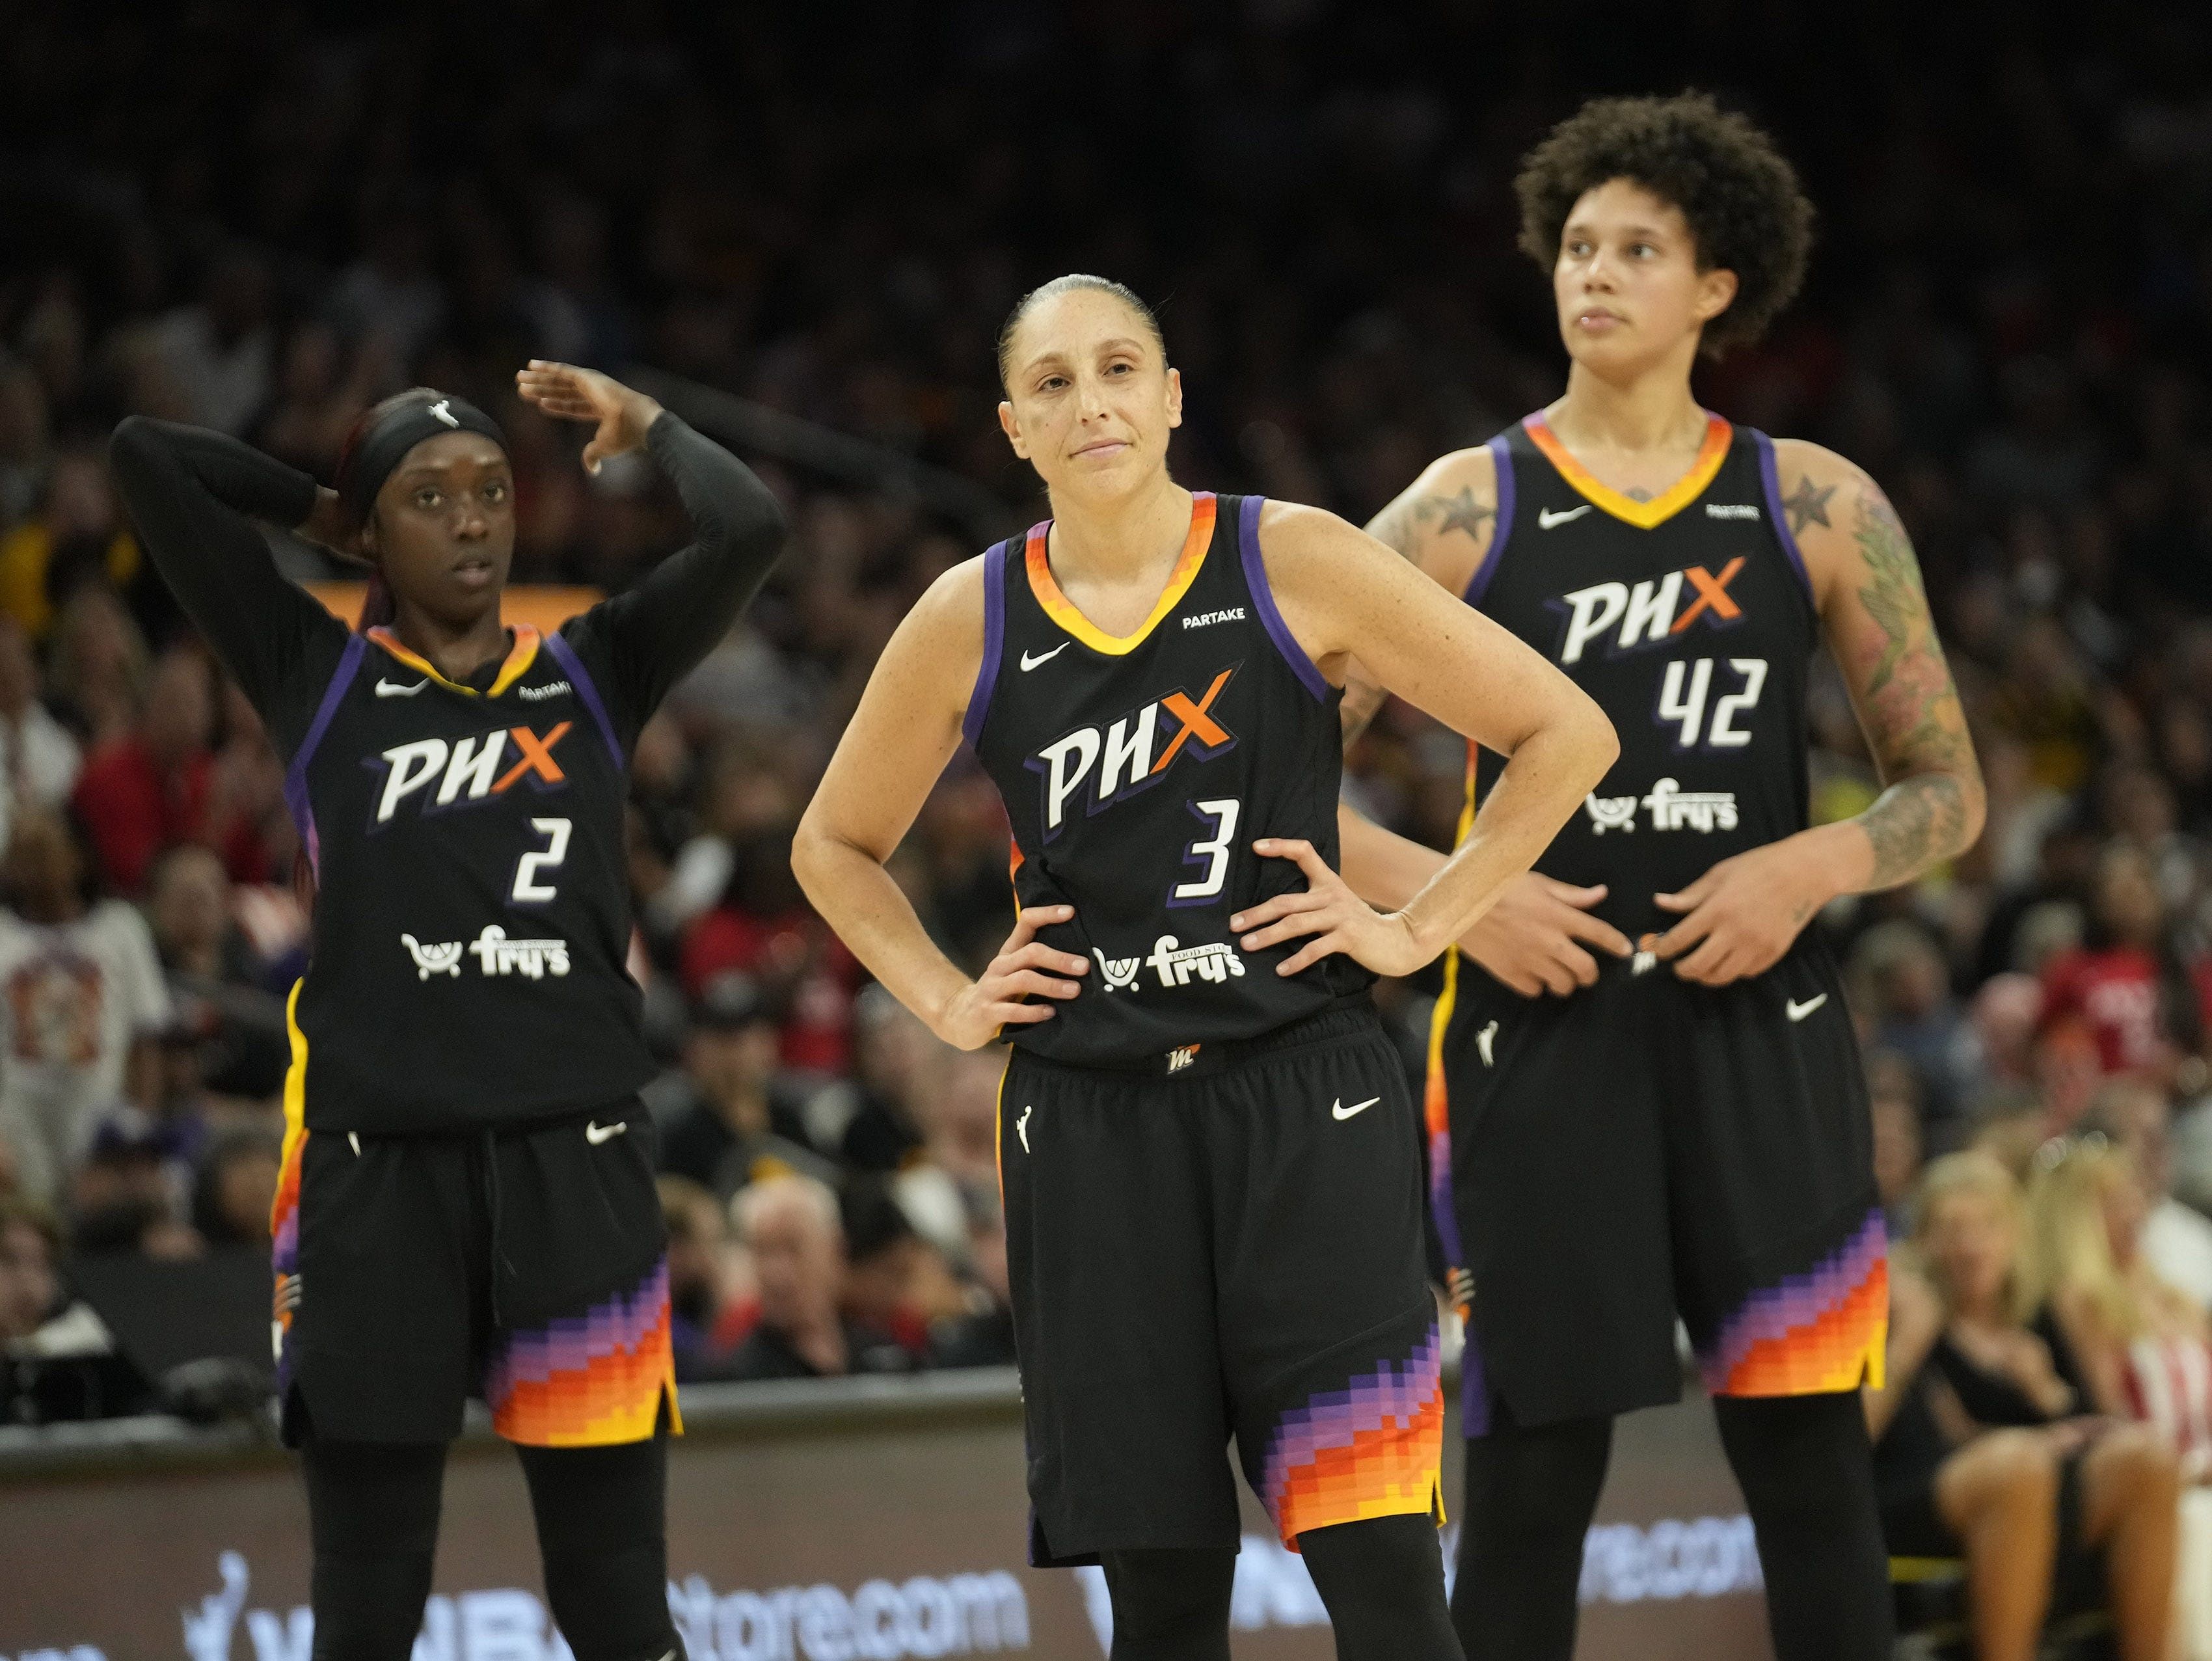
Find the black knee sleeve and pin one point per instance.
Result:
(1808, 1480)
(1382, 1580)
(1530, 1495)
(1170, 1605)
(373, 1516)
(602, 1532)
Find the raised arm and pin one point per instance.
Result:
(893, 751)
(193, 494)
(1346, 598)
(655, 633)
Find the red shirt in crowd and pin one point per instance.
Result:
(132, 810)
(796, 950)
(2116, 990)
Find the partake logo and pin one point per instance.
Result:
(1131, 754)
(1650, 614)
(468, 771)
(552, 689)
(1200, 619)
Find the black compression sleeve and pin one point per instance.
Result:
(190, 492)
(653, 636)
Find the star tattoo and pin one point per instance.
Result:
(1807, 506)
(1458, 513)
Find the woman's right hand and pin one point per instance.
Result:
(974, 1015)
(1533, 938)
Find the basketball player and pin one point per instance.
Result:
(1212, 1172)
(1645, 1096)
(467, 1203)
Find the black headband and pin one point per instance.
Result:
(386, 445)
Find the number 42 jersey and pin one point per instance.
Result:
(1689, 619)
(1137, 771)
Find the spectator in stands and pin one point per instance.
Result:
(892, 1056)
(699, 1276)
(2143, 996)
(149, 791)
(790, 1227)
(39, 759)
(898, 1281)
(1893, 1094)
(1981, 1450)
(237, 1187)
(76, 540)
(99, 668)
(742, 1120)
(1902, 984)
(958, 1114)
(982, 1334)
(213, 977)
(84, 1002)
(123, 1196)
(2176, 1240)
(30, 1289)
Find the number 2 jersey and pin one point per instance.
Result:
(1691, 621)
(472, 918)
(1137, 772)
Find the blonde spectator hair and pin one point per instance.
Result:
(791, 1189)
(1975, 1172)
(2072, 1250)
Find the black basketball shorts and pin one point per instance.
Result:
(1228, 1244)
(1646, 1147)
(527, 1266)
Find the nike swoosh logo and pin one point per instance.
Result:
(1548, 518)
(1022, 1128)
(1029, 662)
(1484, 1039)
(386, 688)
(596, 1133)
(1798, 1012)
(1343, 1112)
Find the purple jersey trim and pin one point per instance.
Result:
(295, 775)
(1263, 597)
(994, 640)
(1500, 529)
(1770, 476)
(580, 680)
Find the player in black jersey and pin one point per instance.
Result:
(467, 1204)
(1644, 1094)
(1211, 1162)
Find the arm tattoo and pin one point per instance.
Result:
(1401, 526)
(1910, 707)
(1807, 506)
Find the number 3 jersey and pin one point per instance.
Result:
(1690, 619)
(1137, 772)
(471, 892)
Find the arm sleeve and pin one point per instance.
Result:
(650, 637)
(190, 493)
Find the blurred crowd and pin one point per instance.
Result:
(257, 220)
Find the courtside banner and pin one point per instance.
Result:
(859, 1520)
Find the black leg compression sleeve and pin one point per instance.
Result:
(1170, 1605)
(1384, 1582)
(1808, 1480)
(1530, 1495)
(373, 1515)
(602, 1530)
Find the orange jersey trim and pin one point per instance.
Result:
(519, 657)
(1643, 514)
(1062, 610)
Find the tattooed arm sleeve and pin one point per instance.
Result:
(1442, 524)
(1875, 612)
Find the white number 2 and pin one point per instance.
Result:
(527, 889)
(1214, 849)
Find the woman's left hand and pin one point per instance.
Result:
(568, 393)
(1338, 919)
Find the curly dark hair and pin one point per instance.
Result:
(1742, 199)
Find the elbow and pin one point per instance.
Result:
(810, 854)
(1599, 744)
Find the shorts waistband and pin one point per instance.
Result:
(1349, 1017)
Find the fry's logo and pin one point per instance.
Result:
(1650, 613)
(1128, 755)
(469, 769)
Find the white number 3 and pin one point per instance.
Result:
(527, 889)
(1214, 849)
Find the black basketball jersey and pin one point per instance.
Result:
(472, 893)
(1691, 620)
(1138, 772)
